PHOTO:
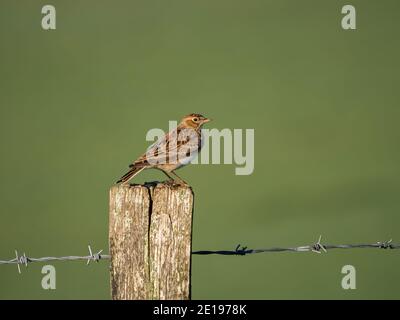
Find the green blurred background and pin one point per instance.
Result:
(76, 103)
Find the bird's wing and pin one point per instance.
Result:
(169, 148)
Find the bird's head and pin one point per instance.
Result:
(194, 120)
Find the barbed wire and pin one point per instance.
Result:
(24, 260)
(317, 247)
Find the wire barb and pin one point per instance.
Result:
(93, 257)
(241, 251)
(385, 244)
(317, 247)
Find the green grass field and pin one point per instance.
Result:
(77, 102)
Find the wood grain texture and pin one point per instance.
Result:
(150, 235)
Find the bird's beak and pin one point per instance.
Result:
(205, 120)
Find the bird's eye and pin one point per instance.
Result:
(195, 119)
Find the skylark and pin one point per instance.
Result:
(174, 150)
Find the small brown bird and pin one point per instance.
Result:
(174, 150)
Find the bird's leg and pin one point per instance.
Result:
(180, 179)
(170, 178)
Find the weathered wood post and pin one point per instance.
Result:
(150, 234)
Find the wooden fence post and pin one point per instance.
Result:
(150, 234)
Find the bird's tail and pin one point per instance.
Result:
(130, 174)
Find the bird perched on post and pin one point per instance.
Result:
(174, 150)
